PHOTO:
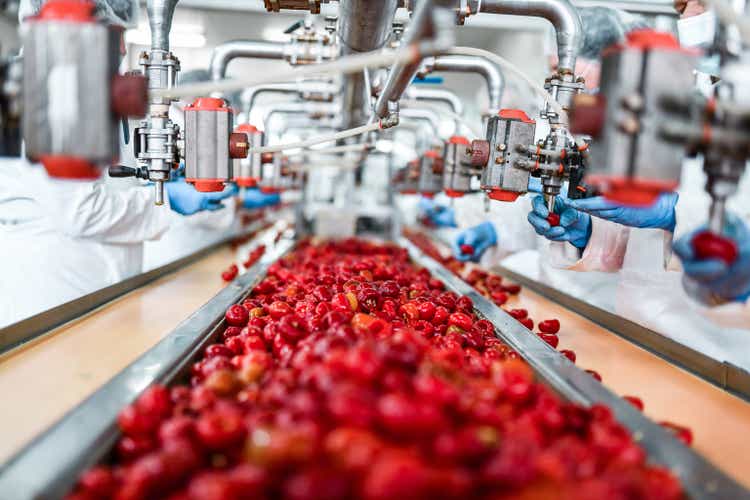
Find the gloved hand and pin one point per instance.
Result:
(185, 200)
(660, 215)
(479, 238)
(255, 198)
(437, 214)
(731, 282)
(575, 226)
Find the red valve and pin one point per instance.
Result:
(129, 96)
(708, 245)
(69, 167)
(480, 153)
(450, 193)
(503, 195)
(207, 185)
(77, 11)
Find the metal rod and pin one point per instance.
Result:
(223, 54)
(485, 68)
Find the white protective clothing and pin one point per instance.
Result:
(62, 239)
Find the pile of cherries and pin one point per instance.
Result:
(349, 372)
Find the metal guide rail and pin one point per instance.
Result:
(699, 477)
(50, 465)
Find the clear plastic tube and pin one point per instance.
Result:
(410, 103)
(318, 140)
(347, 64)
(504, 63)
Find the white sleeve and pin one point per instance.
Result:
(97, 211)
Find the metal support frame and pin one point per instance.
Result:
(50, 465)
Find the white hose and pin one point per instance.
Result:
(729, 17)
(346, 65)
(505, 64)
(349, 148)
(317, 140)
(410, 103)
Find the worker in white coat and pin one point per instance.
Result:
(62, 239)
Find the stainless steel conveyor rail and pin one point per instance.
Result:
(50, 465)
(700, 478)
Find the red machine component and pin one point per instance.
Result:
(208, 134)
(246, 176)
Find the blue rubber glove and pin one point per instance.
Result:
(185, 200)
(660, 215)
(437, 214)
(714, 276)
(575, 226)
(535, 185)
(479, 237)
(255, 198)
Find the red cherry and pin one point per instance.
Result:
(549, 326)
(708, 245)
(133, 422)
(519, 313)
(637, 402)
(682, 433)
(571, 355)
(98, 482)
(220, 430)
(594, 374)
(460, 320)
(467, 250)
(215, 350)
(237, 316)
(553, 219)
(550, 338)
(230, 273)
(528, 323)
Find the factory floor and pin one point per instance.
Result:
(44, 379)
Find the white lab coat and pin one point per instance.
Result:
(62, 239)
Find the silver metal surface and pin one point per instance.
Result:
(561, 13)
(504, 171)
(458, 170)
(207, 144)
(67, 70)
(485, 68)
(699, 478)
(160, 14)
(51, 464)
(223, 54)
(31, 328)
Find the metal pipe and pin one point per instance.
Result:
(300, 108)
(303, 88)
(160, 13)
(255, 49)
(424, 115)
(561, 13)
(437, 95)
(364, 26)
(401, 75)
(483, 67)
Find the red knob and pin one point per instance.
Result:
(708, 245)
(238, 145)
(480, 153)
(588, 114)
(129, 96)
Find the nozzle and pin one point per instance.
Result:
(550, 199)
(159, 186)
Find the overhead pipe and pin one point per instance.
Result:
(302, 89)
(423, 115)
(160, 13)
(428, 20)
(561, 13)
(491, 72)
(436, 95)
(364, 26)
(223, 54)
(299, 108)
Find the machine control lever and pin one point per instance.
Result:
(123, 171)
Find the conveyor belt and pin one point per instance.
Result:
(51, 463)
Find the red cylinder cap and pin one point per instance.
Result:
(207, 185)
(652, 39)
(503, 195)
(459, 139)
(450, 193)
(247, 128)
(428, 195)
(77, 11)
(269, 190)
(515, 114)
(633, 192)
(246, 182)
(69, 167)
(431, 153)
(208, 104)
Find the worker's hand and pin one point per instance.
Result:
(439, 215)
(255, 198)
(477, 239)
(729, 281)
(574, 226)
(185, 200)
(660, 215)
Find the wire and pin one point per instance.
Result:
(504, 63)
(318, 140)
(410, 103)
(346, 65)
